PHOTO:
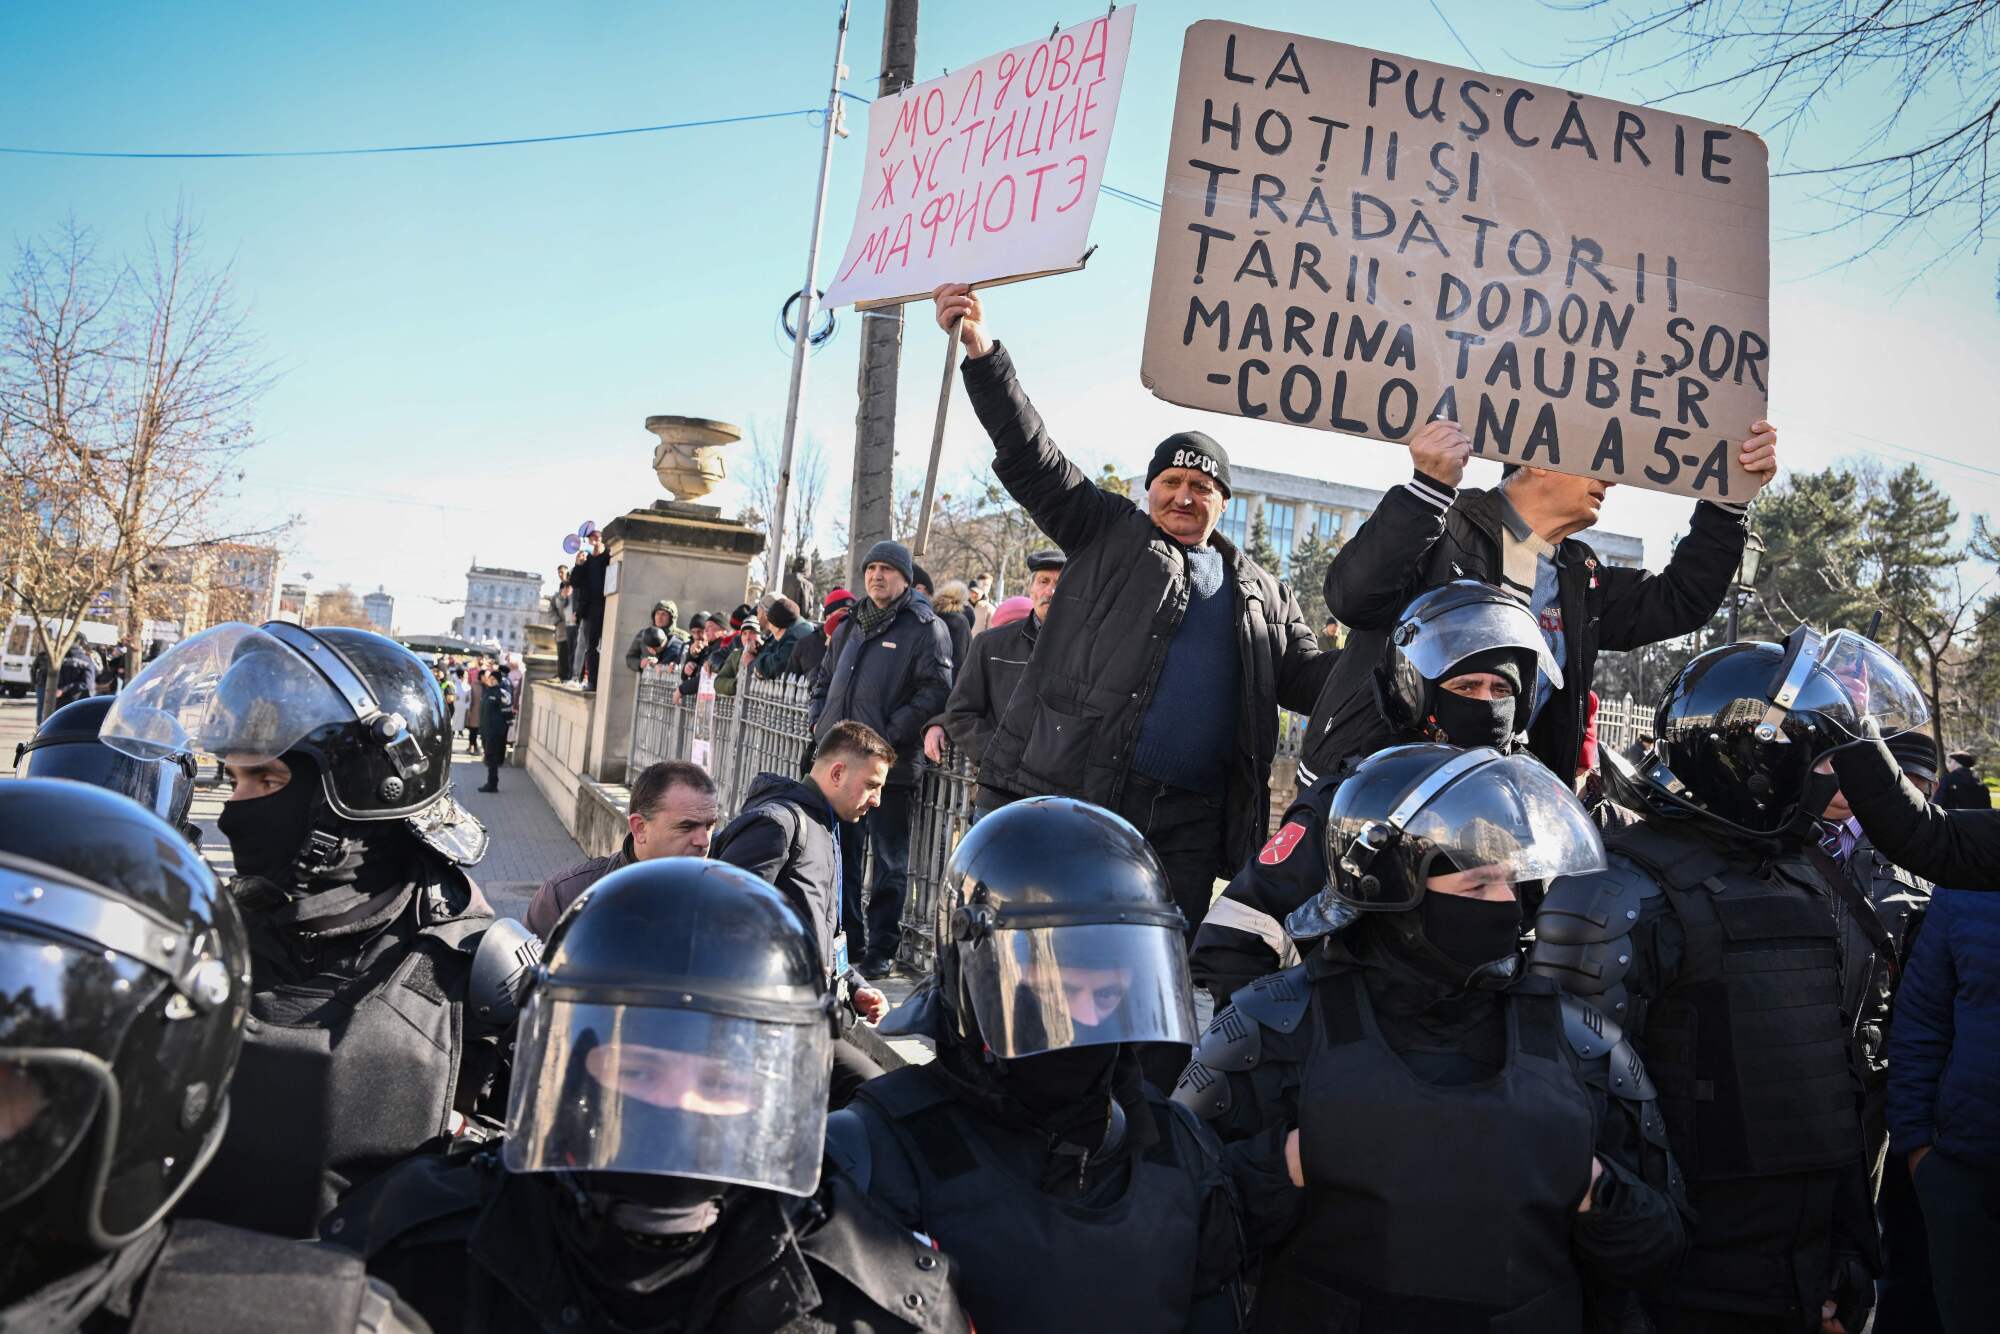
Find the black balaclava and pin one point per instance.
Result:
(1470, 931)
(1070, 1079)
(1479, 722)
(266, 833)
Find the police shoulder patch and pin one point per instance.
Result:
(1281, 844)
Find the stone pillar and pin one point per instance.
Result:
(688, 554)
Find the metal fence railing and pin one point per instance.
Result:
(1620, 721)
(763, 729)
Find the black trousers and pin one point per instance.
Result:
(583, 653)
(874, 931)
(562, 659)
(1904, 1304)
(1185, 830)
(1961, 1204)
(852, 1067)
(495, 747)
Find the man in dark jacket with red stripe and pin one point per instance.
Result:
(1522, 536)
(1166, 654)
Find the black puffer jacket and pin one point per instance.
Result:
(986, 680)
(1073, 725)
(784, 836)
(894, 680)
(1409, 545)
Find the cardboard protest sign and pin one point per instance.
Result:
(989, 174)
(1360, 242)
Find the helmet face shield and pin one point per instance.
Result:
(1476, 814)
(668, 1092)
(64, 1012)
(1847, 677)
(1435, 634)
(164, 786)
(1046, 988)
(233, 691)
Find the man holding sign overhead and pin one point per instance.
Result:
(1521, 536)
(1460, 262)
(1166, 653)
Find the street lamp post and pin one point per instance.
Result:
(1746, 578)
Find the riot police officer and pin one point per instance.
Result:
(1071, 1193)
(1425, 1137)
(124, 982)
(384, 991)
(662, 1166)
(1711, 938)
(67, 745)
(1460, 668)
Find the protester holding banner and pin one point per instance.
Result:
(1167, 652)
(1522, 536)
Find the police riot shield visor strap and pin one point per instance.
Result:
(1436, 642)
(64, 1012)
(233, 691)
(668, 1092)
(1048, 988)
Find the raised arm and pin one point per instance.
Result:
(1378, 570)
(1062, 501)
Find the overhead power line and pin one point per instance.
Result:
(211, 154)
(409, 148)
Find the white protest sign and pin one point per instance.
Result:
(988, 174)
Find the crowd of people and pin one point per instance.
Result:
(85, 669)
(1698, 1044)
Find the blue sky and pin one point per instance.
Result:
(469, 342)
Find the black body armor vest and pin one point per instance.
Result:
(1401, 1172)
(1029, 1263)
(339, 1081)
(1747, 1046)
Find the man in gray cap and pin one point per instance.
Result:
(1167, 652)
(888, 666)
(986, 681)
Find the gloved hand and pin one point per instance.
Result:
(1851, 1299)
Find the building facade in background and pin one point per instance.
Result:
(188, 591)
(498, 606)
(381, 610)
(1293, 506)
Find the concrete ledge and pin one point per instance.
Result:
(600, 826)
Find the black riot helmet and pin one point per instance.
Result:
(124, 983)
(1742, 727)
(67, 745)
(1054, 931)
(1412, 812)
(653, 638)
(1462, 626)
(678, 1027)
(364, 709)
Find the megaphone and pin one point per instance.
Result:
(588, 527)
(572, 543)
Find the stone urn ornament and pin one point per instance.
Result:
(689, 459)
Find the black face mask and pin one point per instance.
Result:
(266, 833)
(1059, 1081)
(1470, 931)
(1473, 722)
(656, 1206)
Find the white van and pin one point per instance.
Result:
(17, 650)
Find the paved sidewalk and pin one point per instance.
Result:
(527, 843)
